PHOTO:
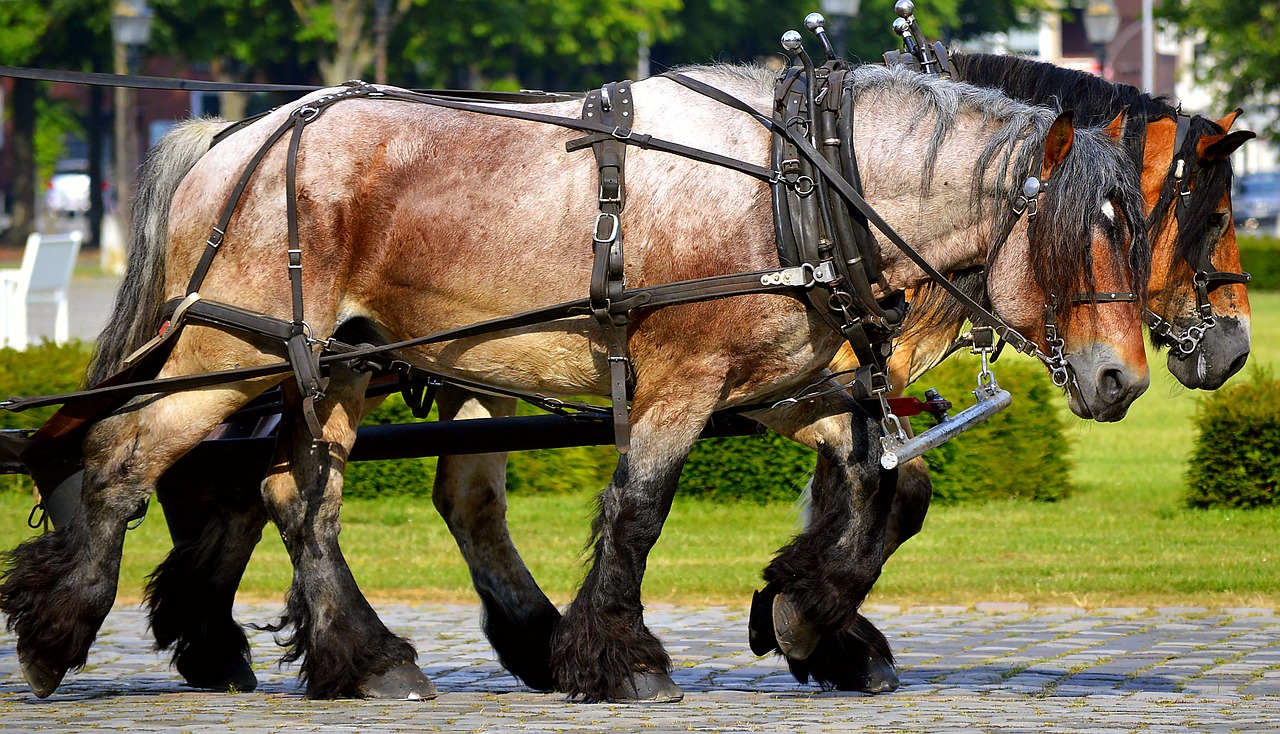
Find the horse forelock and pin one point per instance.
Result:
(1095, 173)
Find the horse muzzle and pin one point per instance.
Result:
(1103, 385)
(1221, 352)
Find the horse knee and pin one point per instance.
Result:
(910, 505)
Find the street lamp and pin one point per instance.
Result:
(1101, 22)
(131, 31)
(840, 12)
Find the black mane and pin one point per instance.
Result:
(1095, 103)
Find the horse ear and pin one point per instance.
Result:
(1229, 119)
(1219, 147)
(1116, 127)
(1058, 143)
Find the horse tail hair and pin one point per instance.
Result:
(136, 315)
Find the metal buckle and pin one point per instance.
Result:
(617, 199)
(215, 239)
(615, 224)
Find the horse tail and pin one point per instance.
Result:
(135, 318)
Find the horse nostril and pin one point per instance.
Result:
(1111, 384)
(1238, 363)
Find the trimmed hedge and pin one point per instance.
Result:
(1260, 257)
(541, 470)
(761, 468)
(1029, 435)
(43, 369)
(1236, 460)
(1020, 453)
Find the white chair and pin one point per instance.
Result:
(44, 277)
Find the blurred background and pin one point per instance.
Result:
(68, 152)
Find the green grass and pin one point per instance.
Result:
(1123, 539)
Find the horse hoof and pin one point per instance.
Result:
(881, 678)
(404, 682)
(42, 678)
(796, 637)
(228, 675)
(760, 635)
(648, 688)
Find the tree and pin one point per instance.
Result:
(352, 33)
(241, 40)
(551, 44)
(1241, 58)
(43, 33)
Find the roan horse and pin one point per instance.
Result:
(405, 232)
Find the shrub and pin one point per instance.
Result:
(542, 470)
(1021, 452)
(1260, 257)
(395, 477)
(1235, 461)
(761, 468)
(43, 369)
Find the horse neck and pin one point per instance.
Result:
(954, 214)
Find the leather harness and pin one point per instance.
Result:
(821, 221)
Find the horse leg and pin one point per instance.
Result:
(190, 595)
(470, 494)
(345, 649)
(602, 649)
(808, 609)
(59, 587)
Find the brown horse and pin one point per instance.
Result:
(417, 219)
(1198, 308)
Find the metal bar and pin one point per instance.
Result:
(437, 438)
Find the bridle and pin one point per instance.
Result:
(1180, 180)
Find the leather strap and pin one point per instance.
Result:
(613, 106)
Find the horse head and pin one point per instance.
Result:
(1087, 255)
(1198, 298)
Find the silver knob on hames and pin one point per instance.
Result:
(1031, 189)
(904, 8)
(792, 41)
(814, 21)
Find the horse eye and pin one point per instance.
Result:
(1218, 220)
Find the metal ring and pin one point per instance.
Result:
(1059, 375)
(842, 300)
(801, 191)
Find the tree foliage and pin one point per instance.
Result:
(1241, 58)
(59, 34)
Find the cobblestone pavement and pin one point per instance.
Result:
(997, 668)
